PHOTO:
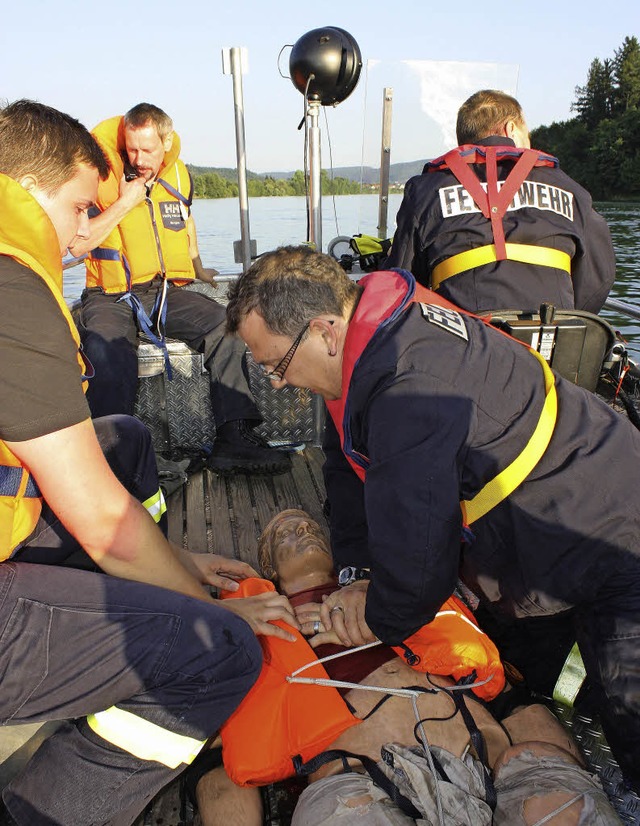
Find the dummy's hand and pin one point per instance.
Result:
(258, 611)
(343, 611)
(221, 572)
(132, 192)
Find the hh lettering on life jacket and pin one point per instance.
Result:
(455, 200)
(172, 217)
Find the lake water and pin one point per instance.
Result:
(277, 221)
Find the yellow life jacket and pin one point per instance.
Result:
(152, 238)
(28, 236)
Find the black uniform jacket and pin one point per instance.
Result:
(439, 416)
(425, 235)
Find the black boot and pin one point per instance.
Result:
(238, 448)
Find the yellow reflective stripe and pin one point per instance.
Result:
(571, 678)
(514, 474)
(156, 505)
(143, 739)
(478, 257)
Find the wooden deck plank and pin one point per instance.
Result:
(222, 539)
(196, 521)
(244, 522)
(315, 460)
(264, 500)
(306, 488)
(175, 518)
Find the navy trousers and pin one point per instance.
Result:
(109, 338)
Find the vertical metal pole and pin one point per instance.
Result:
(235, 68)
(315, 233)
(315, 168)
(385, 162)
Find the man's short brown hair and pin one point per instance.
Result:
(144, 113)
(288, 287)
(41, 141)
(486, 113)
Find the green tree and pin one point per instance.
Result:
(626, 69)
(594, 100)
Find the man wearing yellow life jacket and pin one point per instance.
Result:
(118, 648)
(450, 418)
(141, 252)
(494, 224)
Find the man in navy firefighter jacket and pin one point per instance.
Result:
(428, 408)
(494, 224)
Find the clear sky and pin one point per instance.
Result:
(95, 60)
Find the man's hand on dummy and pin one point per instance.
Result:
(343, 614)
(221, 572)
(132, 192)
(261, 610)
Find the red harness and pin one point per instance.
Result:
(493, 202)
(381, 302)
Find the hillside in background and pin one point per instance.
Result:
(399, 173)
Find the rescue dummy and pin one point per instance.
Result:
(294, 552)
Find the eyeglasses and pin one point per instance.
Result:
(277, 374)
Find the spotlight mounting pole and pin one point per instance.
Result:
(315, 175)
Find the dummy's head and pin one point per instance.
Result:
(56, 159)
(490, 112)
(148, 136)
(293, 552)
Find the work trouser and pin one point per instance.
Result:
(127, 447)
(74, 642)
(608, 634)
(109, 338)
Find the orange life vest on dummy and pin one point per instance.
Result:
(453, 645)
(279, 726)
(28, 236)
(295, 721)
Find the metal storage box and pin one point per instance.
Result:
(178, 412)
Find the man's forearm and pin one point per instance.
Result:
(100, 227)
(131, 194)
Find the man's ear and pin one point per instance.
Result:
(327, 328)
(29, 182)
(168, 142)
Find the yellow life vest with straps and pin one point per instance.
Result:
(152, 238)
(27, 236)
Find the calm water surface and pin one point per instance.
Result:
(277, 221)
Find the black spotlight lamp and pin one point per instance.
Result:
(325, 63)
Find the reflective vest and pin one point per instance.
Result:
(385, 297)
(493, 199)
(28, 236)
(152, 238)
